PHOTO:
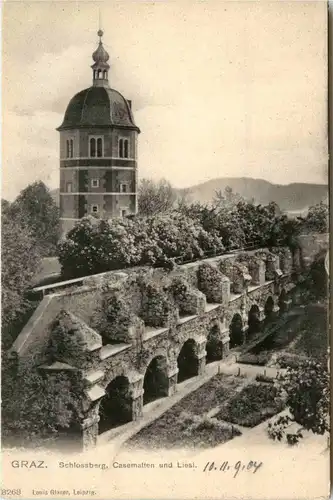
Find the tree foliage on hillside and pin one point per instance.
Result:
(20, 261)
(37, 208)
(97, 246)
(317, 218)
(155, 197)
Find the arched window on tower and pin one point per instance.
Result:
(121, 148)
(69, 148)
(105, 74)
(92, 147)
(99, 147)
(125, 148)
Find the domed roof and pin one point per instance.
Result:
(98, 107)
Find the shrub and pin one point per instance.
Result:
(113, 318)
(157, 309)
(36, 407)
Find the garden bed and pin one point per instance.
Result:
(186, 424)
(256, 402)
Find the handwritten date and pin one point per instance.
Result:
(234, 468)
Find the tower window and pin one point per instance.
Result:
(123, 188)
(69, 148)
(94, 209)
(96, 147)
(123, 212)
(123, 148)
(69, 187)
(95, 183)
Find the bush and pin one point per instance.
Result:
(36, 407)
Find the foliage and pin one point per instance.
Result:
(157, 309)
(155, 197)
(37, 207)
(317, 218)
(227, 199)
(307, 394)
(305, 388)
(113, 319)
(66, 344)
(36, 406)
(209, 282)
(96, 246)
(20, 261)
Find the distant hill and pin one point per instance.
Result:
(290, 197)
(296, 197)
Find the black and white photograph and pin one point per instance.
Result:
(165, 250)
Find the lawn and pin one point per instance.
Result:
(255, 403)
(186, 424)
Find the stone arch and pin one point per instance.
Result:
(156, 382)
(116, 406)
(214, 345)
(269, 307)
(187, 361)
(236, 330)
(254, 319)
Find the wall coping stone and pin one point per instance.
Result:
(151, 332)
(57, 365)
(96, 392)
(185, 319)
(109, 350)
(94, 376)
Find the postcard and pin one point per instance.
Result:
(165, 250)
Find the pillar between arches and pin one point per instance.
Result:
(89, 430)
(172, 376)
(201, 355)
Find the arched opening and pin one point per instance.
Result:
(283, 301)
(92, 147)
(116, 406)
(121, 148)
(105, 74)
(214, 346)
(156, 382)
(125, 148)
(188, 363)
(236, 331)
(254, 319)
(99, 147)
(269, 307)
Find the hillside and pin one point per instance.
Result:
(291, 197)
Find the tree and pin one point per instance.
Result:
(228, 199)
(20, 261)
(34, 406)
(37, 207)
(317, 218)
(155, 197)
(306, 392)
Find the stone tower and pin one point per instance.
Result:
(98, 151)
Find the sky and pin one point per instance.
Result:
(218, 88)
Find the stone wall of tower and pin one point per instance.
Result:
(86, 182)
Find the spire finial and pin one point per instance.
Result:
(100, 32)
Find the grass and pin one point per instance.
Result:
(185, 425)
(254, 404)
